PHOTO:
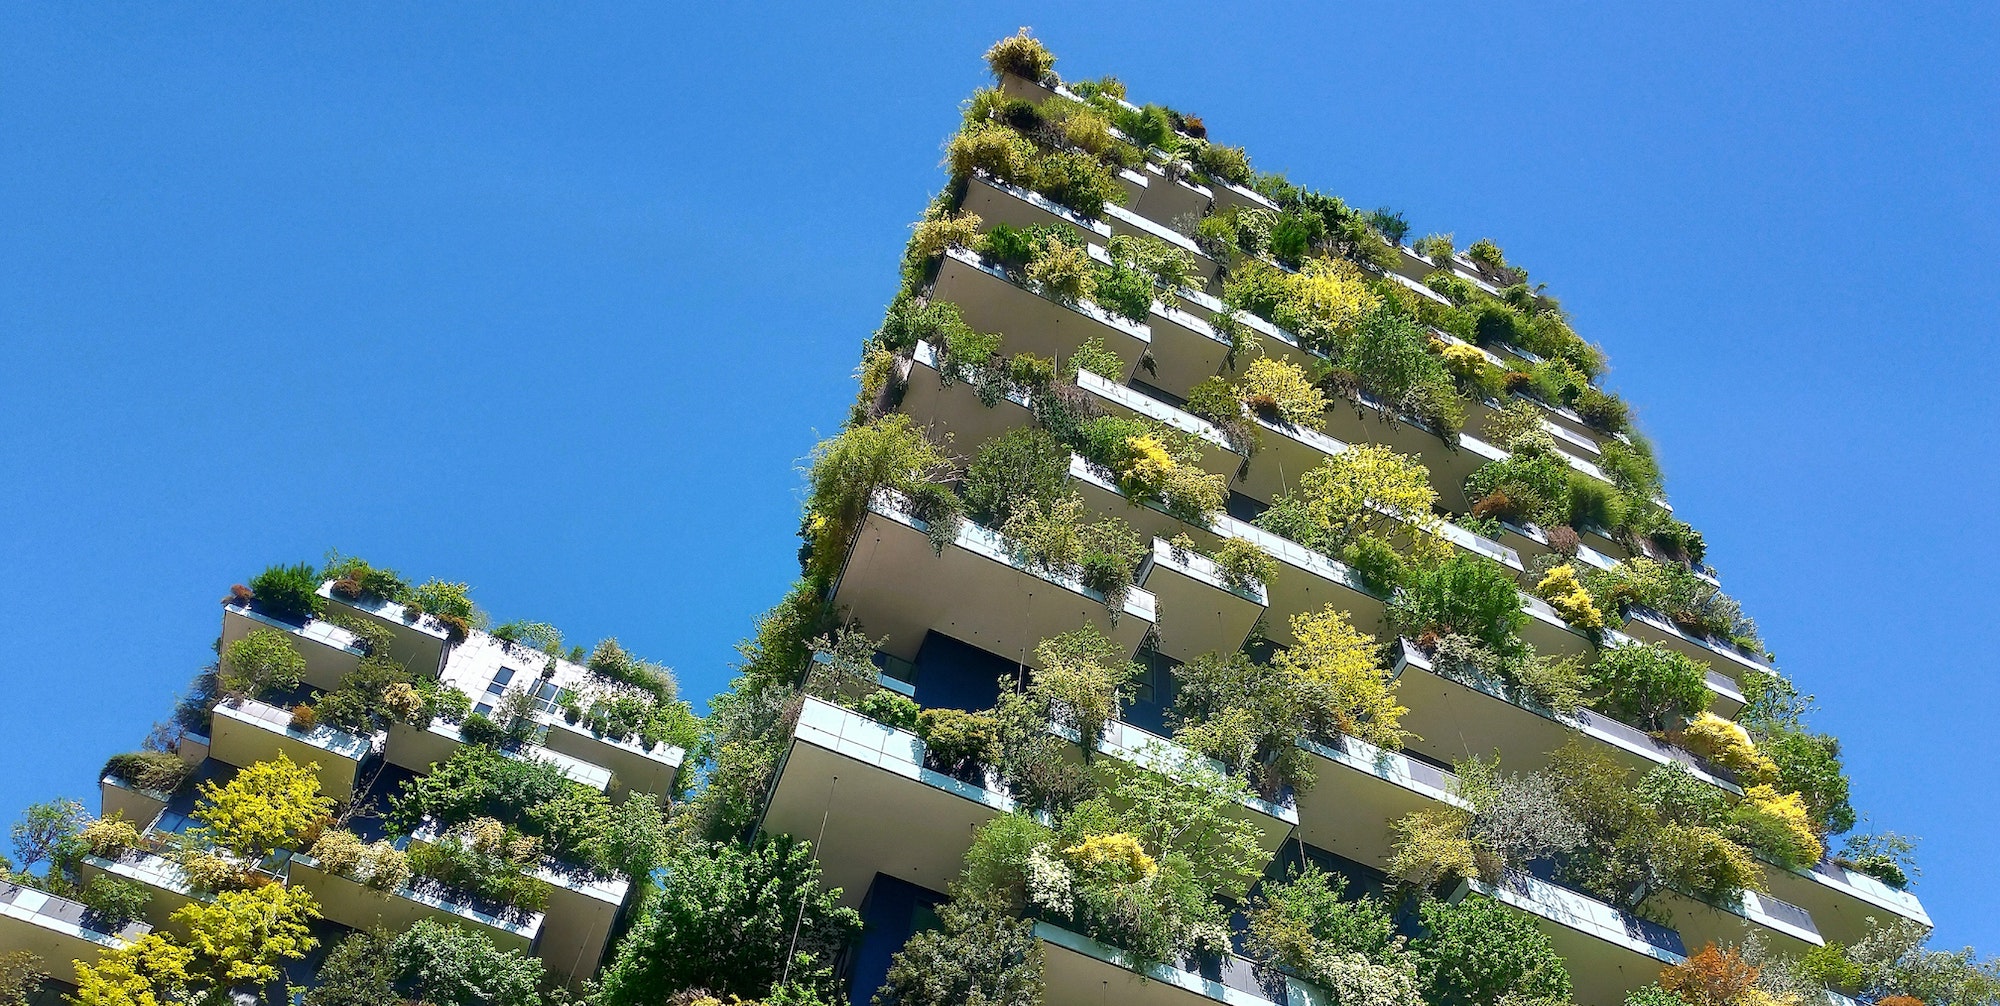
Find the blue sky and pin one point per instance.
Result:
(555, 303)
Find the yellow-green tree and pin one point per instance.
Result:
(267, 806)
(241, 936)
(151, 971)
(1336, 665)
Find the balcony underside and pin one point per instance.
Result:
(1205, 616)
(1358, 792)
(880, 810)
(896, 587)
(1700, 924)
(1841, 903)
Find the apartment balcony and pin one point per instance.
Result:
(1218, 458)
(633, 768)
(576, 922)
(245, 731)
(59, 931)
(845, 777)
(1101, 494)
(351, 903)
(1841, 901)
(1229, 195)
(1609, 953)
(418, 644)
(991, 301)
(1785, 927)
(997, 202)
(166, 885)
(1722, 659)
(329, 650)
(979, 589)
(1272, 341)
(1458, 715)
(1480, 414)
(1306, 582)
(1449, 457)
(1080, 971)
(419, 748)
(1209, 614)
(1273, 822)
(1359, 790)
(1531, 541)
(118, 798)
(1167, 199)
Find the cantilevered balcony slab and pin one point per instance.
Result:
(1549, 634)
(1784, 927)
(978, 589)
(991, 301)
(1166, 199)
(1187, 350)
(1450, 458)
(1461, 715)
(1101, 494)
(1128, 223)
(1269, 339)
(1841, 900)
(1306, 582)
(329, 650)
(1482, 413)
(244, 732)
(58, 930)
(1652, 627)
(418, 643)
(998, 202)
(1359, 790)
(420, 748)
(1285, 451)
(861, 789)
(634, 768)
(166, 885)
(1609, 953)
(1229, 195)
(1209, 614)
(1080, 971)
(118, 798)
(358, 906)
(576, 920)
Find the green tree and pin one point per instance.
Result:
(1025, 463)
(151, 971)
(44, 829)
(1478, 951)
(1650, 686)
(357, 972)
(267, 806)
(449, 965)
(241, 937)
(978, 958)
(21, 975)
(724, 921)
(1466, 595)
(260, 663)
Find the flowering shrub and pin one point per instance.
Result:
(1280, 388)
(1777, 824)
(1119, 853)
(1727, 744)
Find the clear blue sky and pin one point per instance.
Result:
(556, 302)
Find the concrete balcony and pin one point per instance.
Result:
(359, 906)
(1609, 953)
(979, 589)
(245, 731)
(998, 202)
(1209, 614)
(1126, 223)
(1722, 659)
(991, 301)
(59, 931)
(1229, 195)
(1841, 901)
(1785, 928)
(1480, 414)
(167, 886)
(1449, 457)
(1459, 715)
(576, 923)
(846, 779)
(329, 650)
(1167, 199)
(1102, 495)
(1218, 458)
(418, 644)
(1080, 971)
(1272, 341)
(1359, 790)
(633, 768)
(118, 798)
(418, 749)
(1306, 582)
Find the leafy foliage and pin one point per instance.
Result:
(267, 805)
(977, 956)
(1650, 686)
(1479, 951)
(453, 966)
(290, 592)
(262, 662)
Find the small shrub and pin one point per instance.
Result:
(1777, 824)
(160, 771)
(890, 709)
(1432, 846)
(1465, 595)
(958, 742)
(1022, 55)
(109, 837)
(1710, 977)
(479, 729)
(303, 718)
(289, 593)
(115, 901)
(262, 662)
(1062, 272)
(1566, 595)
(1281, 389)
(1727, 744)
(1092, 355)
(1650, 686)
(1244, 563)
